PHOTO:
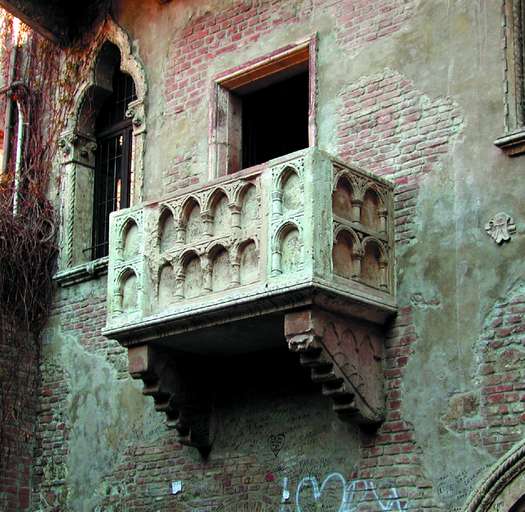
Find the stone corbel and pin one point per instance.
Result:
(136, 113)
(177, 385)
(344, 355)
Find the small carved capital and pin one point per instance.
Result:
(78, 148)
(500, 227)
(136, 113)
(66, 143)
(235, 208)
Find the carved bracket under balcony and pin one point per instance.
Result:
(344, 355)
(177, 385)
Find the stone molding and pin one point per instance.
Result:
(513, 140)
(494, 492)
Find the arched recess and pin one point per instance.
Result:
(191, 220)
(166, 294)
(288, 249)
(167, 230)
(128, 291)
(193, 275)
(218, 206)
(373, 266)
(220, 268)
(130, 240)
(502, 487)
(342, 199)
(290, 185)
(370, 209)
(343, 252)
(248, 262)
(249, 206)
(78, 145)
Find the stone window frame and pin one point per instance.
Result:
(513, 141)
(223, 155)
(77, 161)
(501, 485)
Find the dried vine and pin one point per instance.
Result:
(46, 81)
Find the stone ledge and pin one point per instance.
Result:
(513, 144)
(82, 273)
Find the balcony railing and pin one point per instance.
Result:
(266, 236)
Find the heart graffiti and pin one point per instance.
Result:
(349, 493)
(318, 490)
(276, 442)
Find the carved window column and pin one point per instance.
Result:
(136, 112)
(78, 159)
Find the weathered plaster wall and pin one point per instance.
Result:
(409, 89)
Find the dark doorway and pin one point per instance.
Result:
(275, 120)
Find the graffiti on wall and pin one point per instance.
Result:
(348, 496)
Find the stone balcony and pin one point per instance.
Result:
(298, 249)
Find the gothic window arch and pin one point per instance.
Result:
(102, 155)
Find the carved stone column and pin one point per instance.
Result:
(136, 112)
(344, 355)
(78, 160)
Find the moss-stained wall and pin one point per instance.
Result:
(409, 89)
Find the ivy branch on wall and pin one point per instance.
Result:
(41, 92)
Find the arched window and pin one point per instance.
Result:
(113, 180)
(102, 152)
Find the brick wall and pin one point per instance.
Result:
(389, 127)
(386, 125)
(18, 412)
(229, 30)
(81, 316)
(491, 415)
(387, 470)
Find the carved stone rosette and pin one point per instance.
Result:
(500, 227)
